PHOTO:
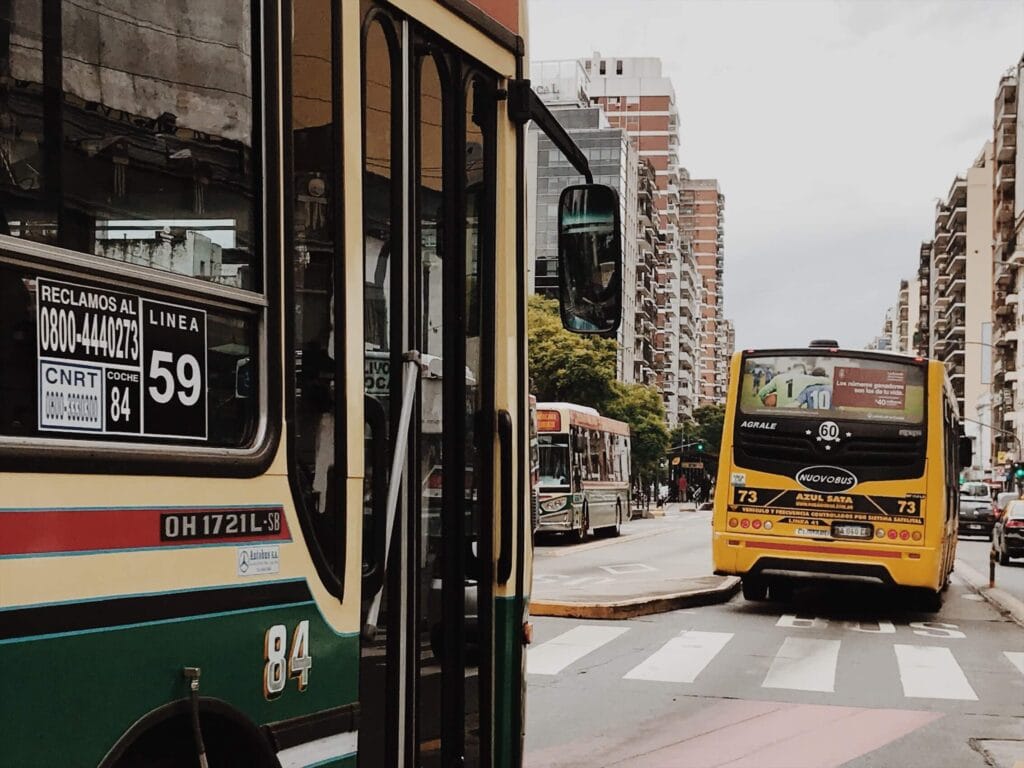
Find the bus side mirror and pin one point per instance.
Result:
(590, 259)
(966, 452)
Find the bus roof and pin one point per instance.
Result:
(580, 415)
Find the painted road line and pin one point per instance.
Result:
(804, 664)
(931, 672)
(1016, 658)
(682, 658)
(556, 654)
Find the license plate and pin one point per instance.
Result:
(813, 532)
(851, 531)
(975, 527)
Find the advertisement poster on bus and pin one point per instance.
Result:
(836, 387)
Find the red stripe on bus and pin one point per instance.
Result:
(824, 550)
(55, 531)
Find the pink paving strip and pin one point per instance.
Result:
(786, 736)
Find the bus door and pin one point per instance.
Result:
(428, 362)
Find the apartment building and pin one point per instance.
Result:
(960, 286)
(1007, 232)
(922, 326)
(703, 223)
(613, 161)
(638, 98)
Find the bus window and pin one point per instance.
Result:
(162, 174)
(313, 261)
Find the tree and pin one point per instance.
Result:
(642, 408)
(710, 421)
(564, 366)
(576, 368)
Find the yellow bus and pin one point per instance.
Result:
(584, 471)
(263, 416)
(838, 463)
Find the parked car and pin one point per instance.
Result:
(976, 514)
(1002, 499)
(1008, 533)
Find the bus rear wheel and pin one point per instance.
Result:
(754, 589)
(611, 531)
(580, 534)
(930, 600)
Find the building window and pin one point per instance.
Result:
(601, 68)
(618, 67)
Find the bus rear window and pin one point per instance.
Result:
(830, 386)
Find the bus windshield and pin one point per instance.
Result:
(554, 460)
(831, 386)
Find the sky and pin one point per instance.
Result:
(832, 127)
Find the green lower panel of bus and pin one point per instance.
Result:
(510, 682)
(69, 696)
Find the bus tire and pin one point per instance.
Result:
(781, 590)
(754, 589)
(611, 531)
(580, 534)
(930, 600)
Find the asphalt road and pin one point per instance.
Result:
(1009, 578)
(841, 676)
(649, 557)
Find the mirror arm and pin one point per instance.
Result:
(524, 105)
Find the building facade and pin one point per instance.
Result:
(638, 98)
(1007, 257)
(703, 223)
(613, 161)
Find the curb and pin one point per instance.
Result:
(639, 606)
(1001, 600)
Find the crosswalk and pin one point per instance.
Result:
(798, 663)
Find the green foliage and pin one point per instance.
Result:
(703, 433)
(642, 408)
(576, 368)
(710, 421)
(564, 366)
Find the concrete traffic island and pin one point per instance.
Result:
(680, 593)
(657, 565)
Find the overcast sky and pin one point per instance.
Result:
(831, 126)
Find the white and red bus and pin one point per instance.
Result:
(584, 470)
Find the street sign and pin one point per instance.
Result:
(693, 465)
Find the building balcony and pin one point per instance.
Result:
(1005, 175)
(1004, 211)
(1004, 275)
(1005, 303)
(957, 241)
(1008, 339)
(956, 285)
(1006, 142)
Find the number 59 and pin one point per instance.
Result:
(189, 382)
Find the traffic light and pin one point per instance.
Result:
(700, 447)
(1018, 471)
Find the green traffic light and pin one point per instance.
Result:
(700, 446)
(1019, 473)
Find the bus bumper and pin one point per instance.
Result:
(555, 521)
(738, 555)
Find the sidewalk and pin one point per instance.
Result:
(659, 564)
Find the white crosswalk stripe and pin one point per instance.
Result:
(798, 664)
(682, 658)
(552, 657)
(931, 672)
(804, 664)
(1016, 658)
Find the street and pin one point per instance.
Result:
(843, 675)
